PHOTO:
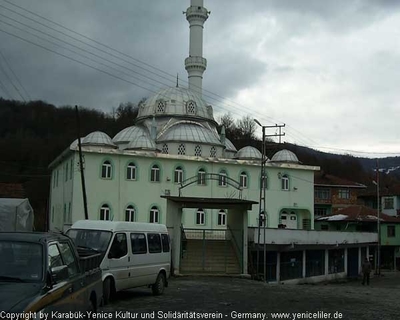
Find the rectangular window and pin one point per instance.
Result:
(69, 258)
(319, 212)
(388, 203)
(285, 183)
(336, 261)
(154, 242)
(221, 218)
(52, 214)
(57, 174)
(119, 247)
(222, 179)
(178, 176)
(243, 181)
(201, 178)
(344, 194)
(391, 231)
(155, 175)
(200, 217)
(131, 173)
(138, 243)
(69, 213)
(322, 193)
(66, 172)
(65, 213)
(165, 242)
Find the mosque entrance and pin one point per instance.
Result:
(220, 251)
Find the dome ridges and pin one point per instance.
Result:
(98, 138)
(285, 156)
(248, 153)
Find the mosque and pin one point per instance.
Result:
(172, 166)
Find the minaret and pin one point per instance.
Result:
(195, 64)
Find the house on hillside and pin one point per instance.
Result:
(332, 193)
(389, 199)
(360, 218)
(12, 190)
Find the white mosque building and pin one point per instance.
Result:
(173, 152)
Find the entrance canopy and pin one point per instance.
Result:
(211, 203)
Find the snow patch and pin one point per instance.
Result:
(337, 217)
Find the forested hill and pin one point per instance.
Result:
(33, 134)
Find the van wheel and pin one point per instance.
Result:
(106, 291)
(159, 285)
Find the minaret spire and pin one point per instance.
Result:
(195, 64)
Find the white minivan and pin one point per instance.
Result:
(134, 254)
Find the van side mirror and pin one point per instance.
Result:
(59, 273)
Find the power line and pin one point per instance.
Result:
(5, 89)
(15, 76)
(10, 80)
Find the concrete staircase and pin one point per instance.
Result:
(219, 257)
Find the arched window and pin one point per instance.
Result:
(131, 171)
(285, 182)
(178, 176)
(197, 151)
(200, 217)
(243, 180)
(221, 218)
(181, 149)
(105, 213)
(130, 213)
(201, 177)
(213, 152)
(106, 170)
(155, 174)
(222, 178)
(154, 215)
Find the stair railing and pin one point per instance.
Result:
(238, 248)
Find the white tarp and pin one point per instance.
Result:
(15, 215)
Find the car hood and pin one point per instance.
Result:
(12, 293)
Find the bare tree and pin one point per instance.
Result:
(247, 127)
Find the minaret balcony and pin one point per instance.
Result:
(197, 13)
(195, 62)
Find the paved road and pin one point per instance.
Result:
(230, 298)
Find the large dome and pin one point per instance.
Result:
(248, 153)
(175, 102)
(190, 132)
(229, 145)
(129, 134)
(285, 156)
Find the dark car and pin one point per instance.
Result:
(42, 272)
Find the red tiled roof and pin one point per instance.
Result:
(358, 213)
(321, 178)
(11, 190)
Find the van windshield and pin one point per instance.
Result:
(96, 240)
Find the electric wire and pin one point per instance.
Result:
(15, 76)
(10, 81)
(5, 89)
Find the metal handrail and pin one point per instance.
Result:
(240, 251)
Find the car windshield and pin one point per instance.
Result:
(90, 239)
(21, 261)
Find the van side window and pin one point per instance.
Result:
(165, 242)
(138, 243)
(119, 247)
(154, 242)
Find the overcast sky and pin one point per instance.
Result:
(329, 70)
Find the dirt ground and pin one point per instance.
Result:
(233, 298)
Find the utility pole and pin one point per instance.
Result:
(378, 258)
(262, 215)
(81, 164)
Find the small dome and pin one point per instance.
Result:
(190, 132)
(248, 153)
(175, 101)
(285, 156)
(128, 134)
(98, 138)
(142, 142)
(229, 146)
(74, 144)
